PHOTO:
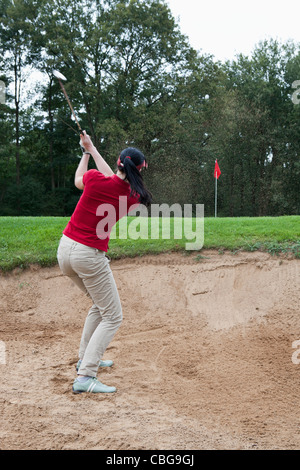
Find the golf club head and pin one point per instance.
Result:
(59, 75)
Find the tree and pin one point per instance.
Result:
(133, 79)
(261, 122)
(17, 23)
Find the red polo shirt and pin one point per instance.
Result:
(105, 199)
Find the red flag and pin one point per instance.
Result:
(217, 171)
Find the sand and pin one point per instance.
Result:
(206, 357)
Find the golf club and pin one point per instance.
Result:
(61, 77)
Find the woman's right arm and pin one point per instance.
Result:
(101, 164)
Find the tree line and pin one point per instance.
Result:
(134, 80)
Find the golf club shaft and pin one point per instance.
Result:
(74, 130)
(71, 107)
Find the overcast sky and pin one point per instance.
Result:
(227, 27)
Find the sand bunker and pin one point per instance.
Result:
(204, 358)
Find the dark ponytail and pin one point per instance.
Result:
(130, 162)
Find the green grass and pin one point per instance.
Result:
(30, 240)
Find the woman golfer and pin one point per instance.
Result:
(81, 252)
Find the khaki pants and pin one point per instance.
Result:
(89, 269)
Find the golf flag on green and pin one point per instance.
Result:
(217, 170)
(217, 174)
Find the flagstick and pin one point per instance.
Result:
(216, 192)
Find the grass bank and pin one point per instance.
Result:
(29, 240)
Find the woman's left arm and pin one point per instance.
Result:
(82, 168)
